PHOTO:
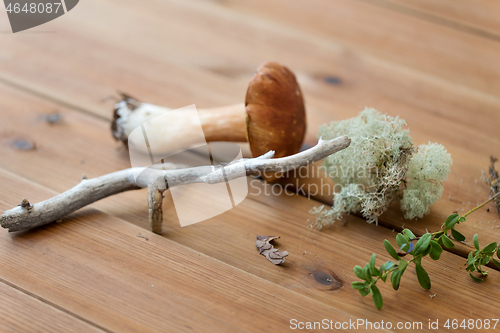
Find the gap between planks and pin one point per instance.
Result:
(45, 95)
(54, 305)
(437, 19)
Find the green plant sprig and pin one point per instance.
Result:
(430, 244)
(480, 257)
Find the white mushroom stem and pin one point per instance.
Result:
(27, 216)
(174, 130)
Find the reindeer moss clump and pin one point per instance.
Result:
(428, 167)
(381, 165)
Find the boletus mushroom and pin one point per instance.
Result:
(272, 118)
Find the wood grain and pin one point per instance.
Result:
(22, 312)
(135, 284)
(347, 54)
(469, 152)
(478, 17)
(259, 214)
(174, 78)
(387, 35)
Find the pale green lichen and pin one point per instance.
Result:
(428, 167)
(380, 166)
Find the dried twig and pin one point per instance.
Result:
(155, 200)
(91, 190)
(493, 181)
(141, 236)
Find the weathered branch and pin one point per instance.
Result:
(27, 216)
(155, 201)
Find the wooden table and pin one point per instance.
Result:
(434, 63)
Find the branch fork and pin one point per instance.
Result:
(27, 216)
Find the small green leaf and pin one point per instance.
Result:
(422, 244)
(358, 270)
(388, 265)
(436, 250)
(402, 265)
(451, 224)
(373, 270)
(408, 234)
(426, 252)
(498, 253)
(396, 279)
(451, 218)
(447, 242)
(364, 292)
(496, 262)
(382, 268)
(358, 285)
(470, 259)
(458, 236)
(390, 249)
(475, 278)
(462, 219)
(490, 248)
(402, 240)
(377, 297)
(367, 273)
(423, 277)
(371, 263)
(476, 242)
(485, 260)
(385, 267)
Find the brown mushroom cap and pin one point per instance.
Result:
(276, 118)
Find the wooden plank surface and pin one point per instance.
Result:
(479, 17)
(22, 312)
(347, 55)
(387, 35)
(61, 158)
(259, 214)
(96, 266)
(103, 271)
(175, 72)
(428, 103)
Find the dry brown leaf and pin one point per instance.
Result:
(268, 250)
